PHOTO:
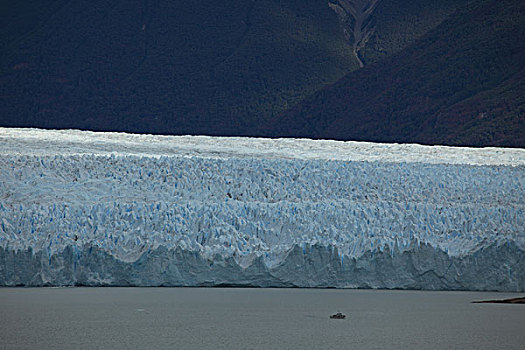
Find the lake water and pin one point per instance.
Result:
(202, 318)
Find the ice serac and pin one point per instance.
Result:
(109, 209)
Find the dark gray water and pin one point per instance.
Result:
(188, 318)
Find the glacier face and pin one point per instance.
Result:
(84, 208)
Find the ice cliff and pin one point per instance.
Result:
(84, 208)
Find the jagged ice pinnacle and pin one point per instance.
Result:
(84, 208)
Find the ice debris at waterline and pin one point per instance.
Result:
(84, 208)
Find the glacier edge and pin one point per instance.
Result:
(83, 208)
(498, 267)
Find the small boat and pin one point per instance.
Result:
(338, 316)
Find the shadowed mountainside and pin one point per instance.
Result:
(432, 73)
(460, 84)
(197, 67)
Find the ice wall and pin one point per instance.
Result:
(81, 208)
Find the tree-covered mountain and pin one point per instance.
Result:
(212, 67)
(267, 68)
(462, 83)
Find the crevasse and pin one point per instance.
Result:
(253, 204)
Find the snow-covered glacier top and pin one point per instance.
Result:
(69, 142)
(248, 197)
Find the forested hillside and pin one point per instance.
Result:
(462, 83)
(412, 71)
(213, 67)
(379, 28)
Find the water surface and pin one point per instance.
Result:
(202, 318)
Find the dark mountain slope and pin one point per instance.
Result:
(379, 28)
(200, 67)
(233, 67)
(460, 84)
(197, 67)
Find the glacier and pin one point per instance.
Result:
(115, 209)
